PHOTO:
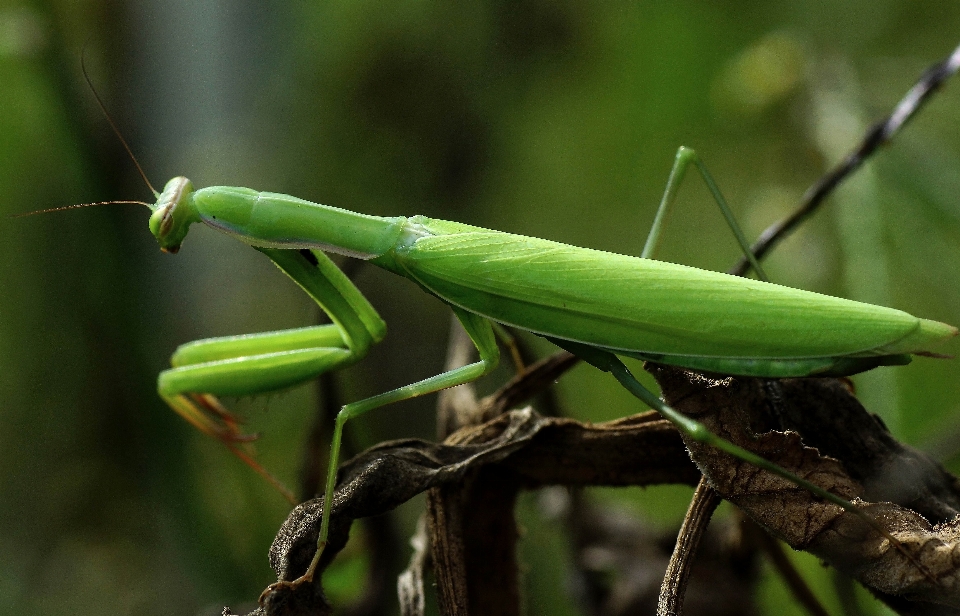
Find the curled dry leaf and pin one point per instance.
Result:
(843, 449)
(855, 457)
(638, 450)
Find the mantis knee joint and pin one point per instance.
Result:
(686, 154)
(698, 432)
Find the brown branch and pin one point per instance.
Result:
(410, 586)
(535, 380)
(471, 522)
(521, 450)
(537, 451)
(781, 562)
(475, 538)
(704, 503)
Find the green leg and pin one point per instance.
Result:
(698, 432)
(481, 333)
(608, 362)
(260, 363)
(686, 156)
(245, 365)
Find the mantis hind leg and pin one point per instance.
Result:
(684, 158)
(608, 362)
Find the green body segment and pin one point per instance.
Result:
(229, 347)
(256, 363)
(250, 374)
(642, 307)
(272, 220)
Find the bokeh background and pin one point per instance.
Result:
(557, 119)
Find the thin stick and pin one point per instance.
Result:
(457, 407)
(705, 501)
(410, 586)
(315, 450)
(795, 582)
(878, 135)
(845, 589)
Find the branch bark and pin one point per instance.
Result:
(843, 448)
(846, 450)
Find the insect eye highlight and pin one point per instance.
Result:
(166, 223)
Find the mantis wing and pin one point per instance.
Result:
(628, 304)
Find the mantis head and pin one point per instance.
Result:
(173, 213)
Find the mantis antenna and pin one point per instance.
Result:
(106, 114)
(74, 206)
(103, 108)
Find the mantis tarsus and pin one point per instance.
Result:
(597, 305)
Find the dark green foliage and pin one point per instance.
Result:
(552, 119)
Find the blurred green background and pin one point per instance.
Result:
(557, 119)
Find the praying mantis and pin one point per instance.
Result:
(597, 305)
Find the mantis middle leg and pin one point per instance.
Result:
(482, 334)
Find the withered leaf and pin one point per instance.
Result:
(638, 450)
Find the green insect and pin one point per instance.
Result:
(596, 304)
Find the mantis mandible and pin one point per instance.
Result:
(595, 304)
